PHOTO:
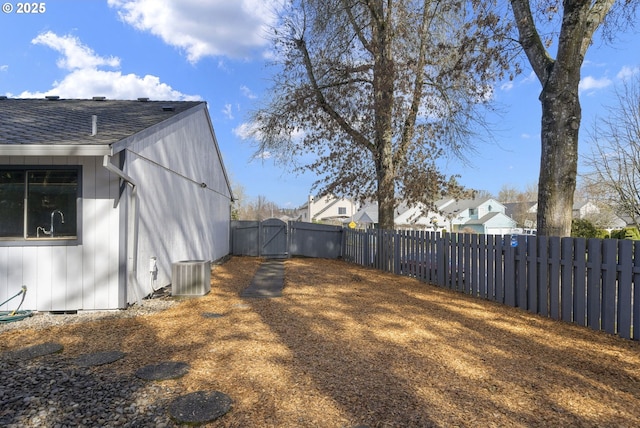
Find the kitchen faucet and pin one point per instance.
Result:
(53, 213)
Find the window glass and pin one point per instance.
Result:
(38, 203)
(12, 203)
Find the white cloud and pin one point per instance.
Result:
(75, 55)
(588, 83)
(531, 78)
(248, 93)
(88, 83)
(507, 86)
(246, 131)
(627, 72)
(86, 80)
(227, 111)
(202, 28)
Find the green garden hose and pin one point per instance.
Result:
(16, 314)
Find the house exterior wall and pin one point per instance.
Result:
(333, 211)
(326, 208)
(501, 224)
(70, 277)
(179, 219)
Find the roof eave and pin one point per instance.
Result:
(54, 150)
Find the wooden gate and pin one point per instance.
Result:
(268, 238)
(273, 238)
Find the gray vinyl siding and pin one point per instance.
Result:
(179, 219)
(70, 277)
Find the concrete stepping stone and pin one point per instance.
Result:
(35, 351)
(267, 282)
(212, 315)
(163, 371)
(99, 358)
(200, 407)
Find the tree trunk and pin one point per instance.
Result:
(383, 87)
(561, 115)
(386, 194)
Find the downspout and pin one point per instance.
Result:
(132, 238)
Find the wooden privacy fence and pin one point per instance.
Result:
(592, 282)
(273, 238)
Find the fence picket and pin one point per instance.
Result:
(566, 283)
(625, 293)
(491, 267)
(482, 266)
(594, 283)
(543, 275)
(554, 277)
(500, 263)
(579, 282)
(510, 274)
(521, 273)
(610, 257)
(635, 333)
(467, 271)
(532, 275)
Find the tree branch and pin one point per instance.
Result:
(530, 40)
(357, 137)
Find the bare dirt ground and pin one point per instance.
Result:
(346, 345)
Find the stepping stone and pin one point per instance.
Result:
(99, 358)
(35, 351)
(200, 407)
(163, 371)
(268, 280)
(212, 315)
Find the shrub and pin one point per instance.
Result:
(583, 228)
(626, 233)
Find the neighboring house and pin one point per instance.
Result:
(326, 209)
(524, 213)
(581, 210)
(483, 215)
(98, 198)
(479, 215)
(366, 217)
(416, 217)
(584, 210)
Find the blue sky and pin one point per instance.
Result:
(215, 51)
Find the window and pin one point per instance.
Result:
(39, 203)
(342, 211)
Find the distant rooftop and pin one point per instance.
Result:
(70, 121)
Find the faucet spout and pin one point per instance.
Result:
(53, 213)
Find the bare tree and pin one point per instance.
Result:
(613, 166)
(575, 22)
(375, 91)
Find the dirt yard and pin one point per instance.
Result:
(347, 345)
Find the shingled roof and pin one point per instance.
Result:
(70, 121)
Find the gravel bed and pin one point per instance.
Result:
(40, 320)
(55, 391)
